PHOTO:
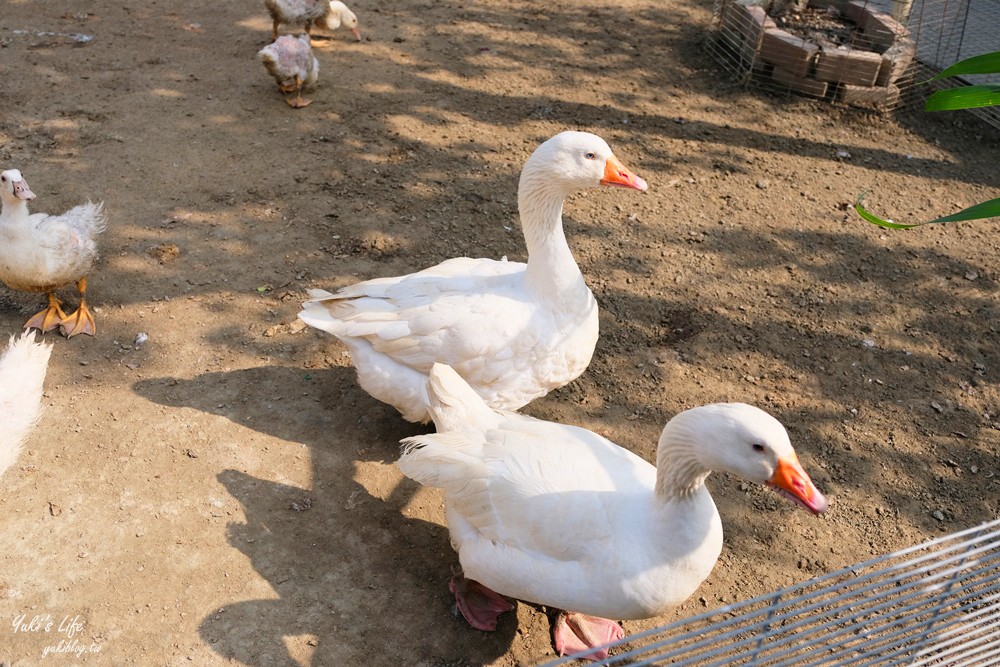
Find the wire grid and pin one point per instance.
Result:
(928, 36)
(937, 603)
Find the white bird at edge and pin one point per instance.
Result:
(41, 253)
(22, 373)
(560, 516)
(514, 331)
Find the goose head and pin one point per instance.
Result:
(339, 15)
(14, 187)
(572, 161)
(742, 440)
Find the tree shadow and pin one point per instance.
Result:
(345, 565)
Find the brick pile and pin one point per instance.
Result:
(865, 73)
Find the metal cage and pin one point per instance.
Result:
(937, 603)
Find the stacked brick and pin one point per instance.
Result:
(865, 73)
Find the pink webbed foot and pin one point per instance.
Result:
(479, 605)
(574, 633)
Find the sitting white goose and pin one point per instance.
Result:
(340, 15)
(22, 372)
(41, 253)
(562, 517)
(291, 62)
(514, 331)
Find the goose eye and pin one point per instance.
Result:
(3, 178)
(590, 155)
(757, 447)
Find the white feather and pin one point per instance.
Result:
(22, 372)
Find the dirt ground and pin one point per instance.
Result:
(225, 494)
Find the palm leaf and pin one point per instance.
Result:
(986, 63)
(966, 97)
(986, 209)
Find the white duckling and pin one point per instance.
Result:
(514, 331)
(41, 253)
(295, 13)
(22, 372)
(562, 517)
(338, 15)
(291, 62)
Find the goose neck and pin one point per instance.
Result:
(550, 261)
(14, 209)
(679, 472)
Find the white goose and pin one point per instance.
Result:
(559, 516)
(22, 372)
(41, 253)
(514, 331)
(337, 15)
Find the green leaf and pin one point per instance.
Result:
(986, 63)
(987, 209)
(874, 219)
(966, 97)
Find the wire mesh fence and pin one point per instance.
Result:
(872, 53)
(937, 603)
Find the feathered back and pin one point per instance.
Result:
(454, 405)
(22, 372)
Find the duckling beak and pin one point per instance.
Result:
(357, 33)
(615, 173)
(791, 480)
(22, 191)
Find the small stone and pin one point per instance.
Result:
(301, 505)
(938, 514)
(763, 183)
(971, 275)
(937, 406)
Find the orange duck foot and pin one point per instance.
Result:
(80, 322)
(48, 319)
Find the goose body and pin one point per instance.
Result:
(291, 62)
(41, 252)
(22, 372)
(560, 516)
(295, 13)
(513, 331)
(337, 15)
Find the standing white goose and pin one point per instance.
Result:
(337, 15)
(514, 331)
(41, 253)
(295, 13)
(562, 517)
(22, 372)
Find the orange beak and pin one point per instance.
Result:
(616, 174)
(792, 480)
(357, 33)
